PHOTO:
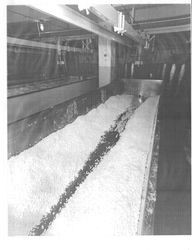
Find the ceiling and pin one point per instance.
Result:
(147, 13)
(160, 20)
(22, 23)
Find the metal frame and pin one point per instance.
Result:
(28, 43)
(109, 14)
(146, 178)
(169, 29)
(67, 14)
(55, 33)
(162, 21)
(66, 38)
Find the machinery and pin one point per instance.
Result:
(65, 60)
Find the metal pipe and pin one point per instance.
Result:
(181, 74)
(28, 43)
(163, 71)
(132, 15)
(160, 21)
(172, 73)
(168, 29)
(132, 70)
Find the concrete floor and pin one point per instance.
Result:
(173, 206)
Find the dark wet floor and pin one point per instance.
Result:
(173, 206)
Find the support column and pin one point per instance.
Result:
(104, 61)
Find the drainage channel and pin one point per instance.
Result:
(107, 141)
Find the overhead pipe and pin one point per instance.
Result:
(168, 29)
(163, 21)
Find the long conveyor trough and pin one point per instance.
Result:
(134, 131)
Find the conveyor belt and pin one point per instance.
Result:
(108, 140)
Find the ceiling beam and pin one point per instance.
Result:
(122, 7)
(109, 14)
(169, 29)
(179, 18)
(162, 12)
(162, 23)
(67, 14)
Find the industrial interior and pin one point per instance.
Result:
(99, 119)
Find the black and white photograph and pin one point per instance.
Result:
(98, 100)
